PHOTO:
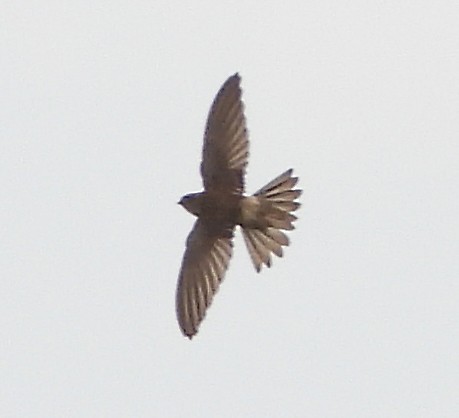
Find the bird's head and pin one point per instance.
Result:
(192, 203)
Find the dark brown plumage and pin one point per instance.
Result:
(222, 205)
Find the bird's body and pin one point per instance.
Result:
(222, 206)
(212, 205)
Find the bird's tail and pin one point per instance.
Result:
(274, 205)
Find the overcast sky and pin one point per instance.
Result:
(102, 111)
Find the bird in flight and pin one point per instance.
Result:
(222, 206)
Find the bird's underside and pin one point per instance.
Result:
(222, 206)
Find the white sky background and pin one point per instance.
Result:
(102, 110)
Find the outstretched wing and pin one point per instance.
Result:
(226, 146)
(207, 255)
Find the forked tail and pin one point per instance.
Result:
(274, 204)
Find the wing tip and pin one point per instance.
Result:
(236, 78)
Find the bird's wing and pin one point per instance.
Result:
(226, 146)
(207, 255)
